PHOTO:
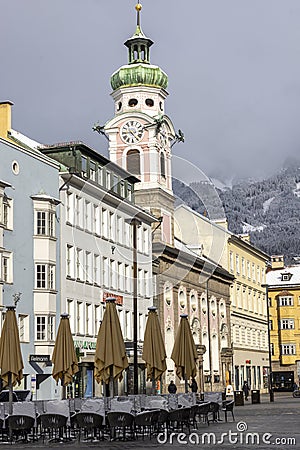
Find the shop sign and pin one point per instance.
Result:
(119, 298)
(85, 345)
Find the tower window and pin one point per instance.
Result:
(143, 52)
(119, 106)
(162, 165)
(135, 52)
(149, 102)
(161, 106)
(133, 162)
(132, 102)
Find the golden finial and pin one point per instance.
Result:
(138, 8)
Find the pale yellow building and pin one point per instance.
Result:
(283, 285)
(248, 309)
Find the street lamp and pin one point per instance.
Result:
(271, 392)
(135, 223)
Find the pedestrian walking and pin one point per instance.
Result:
(246, 389)
(194, 385)
(172, 389)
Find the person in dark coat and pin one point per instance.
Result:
(194, 385)
(172, 389)
(246, 390)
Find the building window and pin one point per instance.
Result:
(272, 349)
(70, 261)
(162, 165)
(96, 219)
(287, 324)
(286, 301)
(79, 318)
(70, 312)
(92, 170)
(79, 264)
(270, 324)
(231, 262)
(24, 328)
(249, 270)
(97, 270)
(237, 263)
(83, 166)
(243, 267)
(45, 223)
(44, 329)
(288, 349)
(286, 276)
(41, 222)
(7, 216)
(40, 273)
(45, 276)
(133, 162)
(88, 323)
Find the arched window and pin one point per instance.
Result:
(162, 165)
(133, 162)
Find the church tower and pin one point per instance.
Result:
(140, 133)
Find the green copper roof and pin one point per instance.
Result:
(139, 71)
(139, 74)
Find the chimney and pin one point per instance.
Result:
(5, 118)
(277, 261)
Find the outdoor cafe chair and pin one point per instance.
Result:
(145, 422)
(163, 420)
(203, 410)
(88, 423)
(228, 407)
(53, 426)
(178, 418)
(20, 427)
(214, 409)
(120, 424)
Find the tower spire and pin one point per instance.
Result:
(138, 8)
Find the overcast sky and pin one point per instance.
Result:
(233, 67)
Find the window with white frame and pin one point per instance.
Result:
(97, 318)
(111, 226)
(249, 270)
(104, 222)
(45, 276)
(45, 223)
(119, 231)
(253, 272)
(105, 269)
(288, 349)
(6, 274)
(113, 274)
(231, 264)
(79, 211)
(128, 278)
(96, 219)
(258, 274)
(88, 318)
(88, 267)
(79, 318)
(70, 261)
(71, 314)
(97, 277)
(287, 324)
(24, 327)
(70, 207)
(79, 264)
(92, 170)
(7, 212)
(237, 264)
(88, 215)
(243, 267)
(44, 328)
(286, 301)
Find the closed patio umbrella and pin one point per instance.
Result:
(64, 359)
(110, 355)
(11, 362)
(154, 352)
(184, 352)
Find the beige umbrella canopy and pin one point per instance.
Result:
(64, 358)
(110, 355)
(11, 362)
(184, 352)
(154, 352)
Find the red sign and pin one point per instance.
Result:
(119, 298)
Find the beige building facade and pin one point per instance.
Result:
(248, 309)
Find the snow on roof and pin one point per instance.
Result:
(274, 277)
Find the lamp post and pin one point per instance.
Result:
(135, 223)
(271, 392)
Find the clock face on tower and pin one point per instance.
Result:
(132, 132)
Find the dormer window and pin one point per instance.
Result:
(286, 276)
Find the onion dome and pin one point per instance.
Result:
(139, 71)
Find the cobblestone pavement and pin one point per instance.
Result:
(261, 426)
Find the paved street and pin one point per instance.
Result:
(273, 424)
